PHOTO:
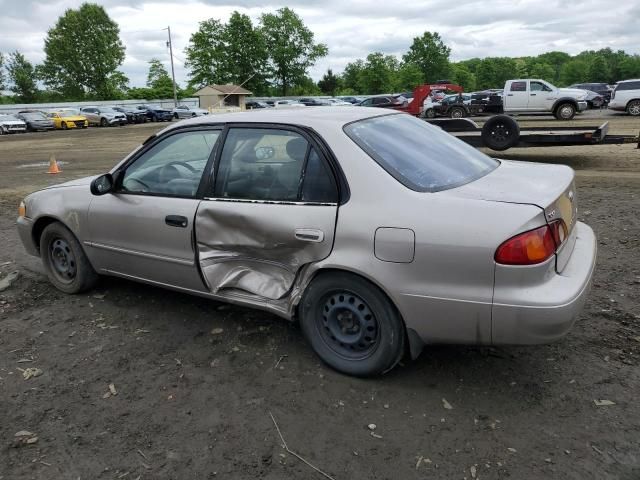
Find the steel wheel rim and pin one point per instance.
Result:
(63, 262)
(456, 114)
(347, 325)
(565, 112)
(500, 133)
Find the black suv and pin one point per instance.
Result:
(601, 89)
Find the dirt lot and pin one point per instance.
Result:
(192, 404)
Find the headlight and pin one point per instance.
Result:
(22, 209)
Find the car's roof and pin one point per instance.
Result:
(308, 117)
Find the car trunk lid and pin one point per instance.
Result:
(550, 187)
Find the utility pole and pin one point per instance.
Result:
(173, 73)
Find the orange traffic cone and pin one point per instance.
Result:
(53, 165)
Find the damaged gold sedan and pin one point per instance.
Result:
(378, 232)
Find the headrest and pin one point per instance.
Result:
(297, 148)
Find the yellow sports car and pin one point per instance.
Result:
(66, 119)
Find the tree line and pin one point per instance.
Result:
(83, 54)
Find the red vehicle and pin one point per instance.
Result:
(421, 92)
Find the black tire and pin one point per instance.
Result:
(351, 325)
(103, 122)
(500, 132)
(153, 118)
(175, 115)
(64, 126)
(633, 108)
(64, 260)
(565, 111)
(430, 113)
(457, 112)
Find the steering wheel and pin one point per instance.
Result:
(182, 164)
(145, 187)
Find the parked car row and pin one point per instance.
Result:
(66, 118)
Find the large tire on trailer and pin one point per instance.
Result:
(565, 111)
(457, 112)
(352, 325)
(633, 108)
(500, 133)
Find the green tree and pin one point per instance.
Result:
(574, 71)
(83, 52)
(431, 54)
(461, 75)
(2, 80)
(291, 47)
(543, 71)
(158, 80)
(598, 70)
(206, 54)
(329, 83)
(245, 54)
(378, 74)
(408, 77)
(351, 76)
(556, 60)
(22, 77)
(629, 67)
(305, 86)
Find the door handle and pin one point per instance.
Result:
(509, 94)
(176, 221)
(533, 94)
(309, 235)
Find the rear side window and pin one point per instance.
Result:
(519, 87)
(420, 156)
(628, 86)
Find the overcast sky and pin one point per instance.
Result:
(350, 28)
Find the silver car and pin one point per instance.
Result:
(103, 116)
(185, 111)
(378, 232)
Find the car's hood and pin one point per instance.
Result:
(12, 122)
(572, 92)
(78, 182)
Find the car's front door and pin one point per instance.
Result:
(518, 96)
(145, 229)
(270, 212)
(538, 93)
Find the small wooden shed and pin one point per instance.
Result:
(220, 96)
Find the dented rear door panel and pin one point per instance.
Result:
(258, 247)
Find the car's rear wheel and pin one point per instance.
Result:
(351, 324)
(565, 111)
(64, 126)
(103, 122)
(457, 112)
(65, 262)
(633, 108)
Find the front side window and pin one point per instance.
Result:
(422, 157)
(367, 102)
(539, 87)
(174, 166)
(272, 164)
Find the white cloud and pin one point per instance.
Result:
(351, 29)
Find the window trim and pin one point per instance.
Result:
(312, 141)
(149, 144)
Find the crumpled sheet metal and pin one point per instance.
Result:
(251, 246)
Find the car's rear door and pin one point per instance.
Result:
(518, 96)
(145, 229)
(270, 212)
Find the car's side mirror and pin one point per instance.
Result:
(102, 184)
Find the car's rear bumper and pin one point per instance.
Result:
(25, 227)
(545, 312)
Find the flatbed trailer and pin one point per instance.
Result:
(496, 136)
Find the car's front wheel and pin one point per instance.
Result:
(351, 324)
(65, 262)
(565, 111)
(103, 122)
(633, 108)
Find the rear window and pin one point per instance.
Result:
(420, 156)
(519, 87)
(628, 86)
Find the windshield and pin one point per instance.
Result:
(8, 117)
(422, 157)
(108, 110)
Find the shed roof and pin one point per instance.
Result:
(222, 90)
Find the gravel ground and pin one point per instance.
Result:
(194, 381)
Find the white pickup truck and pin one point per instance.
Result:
(532, 95)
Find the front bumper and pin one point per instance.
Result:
(25, 228)
(117, 121)
(582, 106)
(544, 312)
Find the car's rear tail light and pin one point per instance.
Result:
(528, 248)
(558, 231)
